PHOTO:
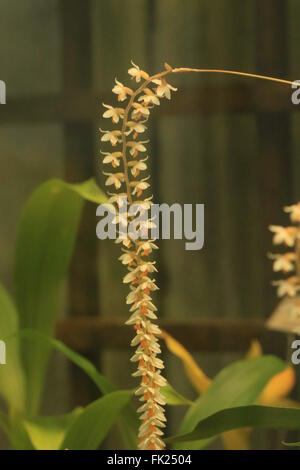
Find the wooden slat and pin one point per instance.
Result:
(79, 165)
(82, 106)
(86, 334)
(274, 163)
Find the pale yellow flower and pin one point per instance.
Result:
(288, 286)
(286, 235)
(283, 262)
(114, 113)
(136, 73)
(147, 246)
(127, 257)
(118, 199)
(149, 97)
(126, 241)
(114, 179)
(136, 147)
(139, 186)
(294, 211)
(121, 218)
(164, 88)
(138, 166)
(121, 90)
(112, 158)
(139, 111)
(136, 127)
(111, 136)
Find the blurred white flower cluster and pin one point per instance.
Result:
(288, 262)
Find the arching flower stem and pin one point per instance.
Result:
(136, 250)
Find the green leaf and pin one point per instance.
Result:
(88, 190)
(253, 416)
(12, 383)
(128, 421)
(239, 384)
(44, 247)
(48, 433)
(103, 384)
(291, 444)
(18, 436)
(93, 424)
(4, 423)
(129, 425)
(174, 398)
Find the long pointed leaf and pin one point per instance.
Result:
(241, 383)
(93, 424)
(173, 398)
(103, 384)
(4, 423)
(12, 381)
(44, 246)
(128, 421)
(255, 416)
(48, 433)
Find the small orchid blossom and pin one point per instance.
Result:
(128, 200)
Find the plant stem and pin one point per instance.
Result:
(180, 70)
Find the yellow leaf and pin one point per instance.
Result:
(237, 439)
(274, 392)
(287, 403)
(255, 349)
(196, 376)
(278, 387)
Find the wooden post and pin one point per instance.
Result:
(274, 133)
(79, 151)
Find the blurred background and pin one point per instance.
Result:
(227, 142)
